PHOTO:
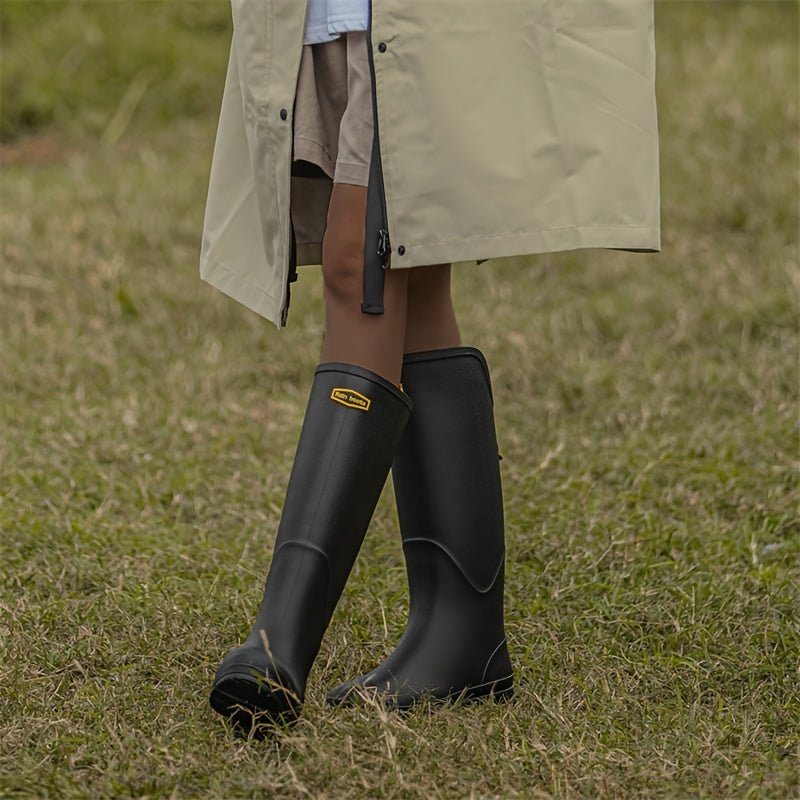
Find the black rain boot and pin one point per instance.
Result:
(450, 505)
(353, 424)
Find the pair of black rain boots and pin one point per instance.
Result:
(449, 499)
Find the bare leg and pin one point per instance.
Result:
(372, 341)
(430, 318)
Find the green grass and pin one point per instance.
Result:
(647, 409)
(90, 66)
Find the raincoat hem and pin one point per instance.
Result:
(505, 245)
(244, 292)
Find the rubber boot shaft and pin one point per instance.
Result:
(449, 500)
(352, 427)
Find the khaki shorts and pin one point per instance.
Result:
(333, 116)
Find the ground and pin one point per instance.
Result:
(647, 410)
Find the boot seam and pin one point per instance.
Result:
(465, 574)
(302, 544)
(490, 659)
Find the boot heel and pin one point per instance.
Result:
(503, 691)
(498, 691)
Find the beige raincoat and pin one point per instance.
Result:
(505, 127)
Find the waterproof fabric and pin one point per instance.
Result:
(506, 128)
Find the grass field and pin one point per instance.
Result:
(647, 409)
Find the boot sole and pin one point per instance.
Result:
(499, 691)
(253, 707)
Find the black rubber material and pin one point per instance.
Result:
(253, 704)
(449, 501)
(353, 424)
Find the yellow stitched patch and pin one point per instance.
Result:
(351, 398)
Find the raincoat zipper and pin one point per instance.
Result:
(377, 245)
(292, 276)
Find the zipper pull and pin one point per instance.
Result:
(384, 246)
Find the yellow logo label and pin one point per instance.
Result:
(351, 398)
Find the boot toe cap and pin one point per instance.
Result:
(254, 693)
